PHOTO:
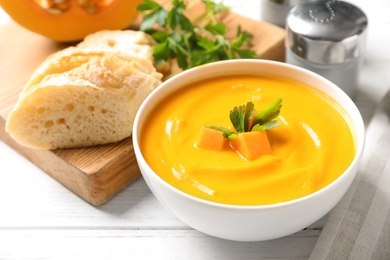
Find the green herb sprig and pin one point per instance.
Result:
(192, 42)
(241, 118)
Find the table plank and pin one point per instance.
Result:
(146, 244)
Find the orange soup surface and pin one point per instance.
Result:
(311, 148)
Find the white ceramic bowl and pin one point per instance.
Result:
(249, 223)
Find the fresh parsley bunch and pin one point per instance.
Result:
(193, 43)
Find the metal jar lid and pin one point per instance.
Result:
(289, 2)
(326, 32)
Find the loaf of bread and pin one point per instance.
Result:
(81, 97)
(135, 43)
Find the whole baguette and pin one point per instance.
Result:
(81, 97)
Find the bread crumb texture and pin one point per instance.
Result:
(81, 97)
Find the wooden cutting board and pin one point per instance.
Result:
(97, 173)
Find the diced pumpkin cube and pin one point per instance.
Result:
(211, 139)
(252, 145)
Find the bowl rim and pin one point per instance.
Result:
(358, 124)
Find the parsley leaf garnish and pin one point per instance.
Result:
(264, 118)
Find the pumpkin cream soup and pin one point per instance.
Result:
(311, 146)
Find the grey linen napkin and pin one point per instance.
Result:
(359, 226)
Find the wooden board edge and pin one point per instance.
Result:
(91, 188)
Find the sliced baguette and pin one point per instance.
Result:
(81, 97)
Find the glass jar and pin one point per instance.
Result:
(328, 38)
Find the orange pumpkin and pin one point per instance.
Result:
(71, 20)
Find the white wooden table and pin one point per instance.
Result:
(40, 219)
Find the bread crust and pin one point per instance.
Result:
(135, 43)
